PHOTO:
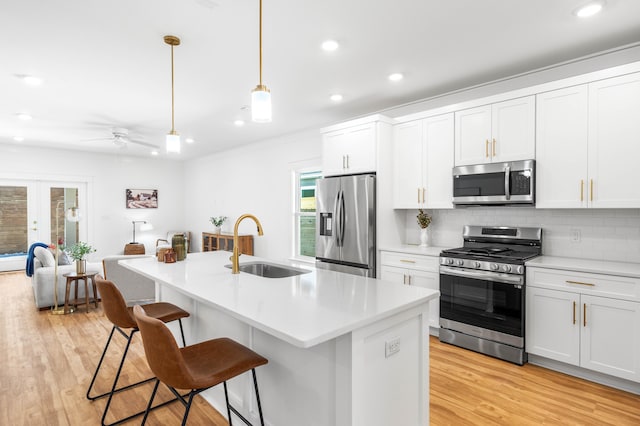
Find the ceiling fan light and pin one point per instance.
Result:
(173, 143)
(261, 104)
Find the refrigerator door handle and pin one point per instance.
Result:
(342, 218)
(336, 220)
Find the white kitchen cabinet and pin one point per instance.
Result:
(351, 148)
(412, 269)
(587, 145)
(504, 131)
(561, 148)
(614, 142)
(422, 162)
(569, 320)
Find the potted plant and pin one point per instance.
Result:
(423, 221)
(217, 222)
(77, 252)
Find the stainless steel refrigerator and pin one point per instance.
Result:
(346, 224)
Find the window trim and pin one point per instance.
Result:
(297, 214)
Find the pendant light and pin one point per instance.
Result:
(173, 138)
(261, 96)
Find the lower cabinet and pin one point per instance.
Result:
(412, 269)
(567, 321)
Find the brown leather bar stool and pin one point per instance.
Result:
(116, 310)
(197, 367)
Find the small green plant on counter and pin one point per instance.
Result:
(79, 250)
(218, 221)
(423, 219)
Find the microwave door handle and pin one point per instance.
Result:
(507, 179)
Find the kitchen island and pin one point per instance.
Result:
(342, 349)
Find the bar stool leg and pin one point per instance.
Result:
(255, 385)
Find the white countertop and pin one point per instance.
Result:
(304, 310)
(625, 269)
(414, 249)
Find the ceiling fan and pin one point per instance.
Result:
(120, 138)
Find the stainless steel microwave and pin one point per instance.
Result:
(495, 184)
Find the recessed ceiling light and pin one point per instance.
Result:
(154, 152)
(189, 140)
(238, 123)
(396, 76)
(589, 9)
(18, 138)
(336, 97)
(330, 45)
(24, 116)
(32, 80)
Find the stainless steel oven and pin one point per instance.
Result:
(482, 290)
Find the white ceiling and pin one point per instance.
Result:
(105, 64)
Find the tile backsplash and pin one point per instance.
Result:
(601, 234)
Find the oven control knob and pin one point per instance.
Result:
(460, 262)
(506, 268)
(520, 269)
(449, 261)
(477, 264)
(493, 267)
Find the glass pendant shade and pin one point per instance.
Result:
(261, 104)
(173, 142)
(73, 214)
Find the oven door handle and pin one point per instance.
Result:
(517, 280)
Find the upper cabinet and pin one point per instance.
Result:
(504, 131)
(352, 148)
(422, 162)
(587, 145)
(614, 142)
(561, 148)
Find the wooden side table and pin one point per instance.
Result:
(134, 249)
(74, 278)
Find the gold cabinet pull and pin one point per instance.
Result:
(581, 190)
(423, 199)
(590, 189)
(404, 279)
(407, 261)
(494, 147)
(486, 147)
(580, 283)
(574, 312)
(584, 314)
(418, 195)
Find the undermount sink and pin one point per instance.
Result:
(270, 270)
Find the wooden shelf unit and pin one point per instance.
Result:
(213, 242)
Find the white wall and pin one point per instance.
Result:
(605, 234)
(108, 220)
(252, 179)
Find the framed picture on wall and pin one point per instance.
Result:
(142, 198)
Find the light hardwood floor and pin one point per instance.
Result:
(46, 363)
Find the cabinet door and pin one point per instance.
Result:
(610, 341)
(407, 165)
(393, 274)
(553, 324)
(614, 142)
(333, 146)
(360, 149)
(430, 280)
(513, 130)
(473, 136)
(438, 162)
(561, 148)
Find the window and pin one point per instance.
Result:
(305, 212)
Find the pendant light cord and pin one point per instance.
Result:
(172, 98)
(260, 42)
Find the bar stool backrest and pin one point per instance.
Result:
(113, 304)
(162, 352)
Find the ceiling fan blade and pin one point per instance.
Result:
(97, 139)
(143, 143)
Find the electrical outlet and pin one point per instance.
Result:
(391, 347)
(575, 235)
